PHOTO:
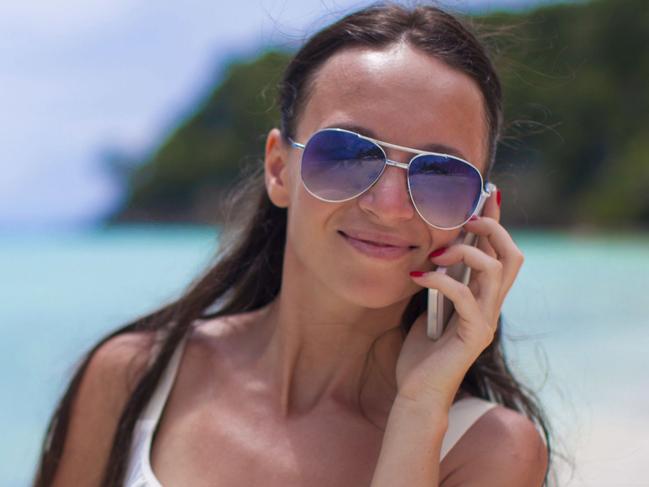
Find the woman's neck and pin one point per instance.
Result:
(314, 346)
(313, 359)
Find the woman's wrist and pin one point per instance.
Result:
(432, 411)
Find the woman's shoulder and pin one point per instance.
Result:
(122, 359)
(501, 440)
(104, 388)
(226, 334)
(112, 372)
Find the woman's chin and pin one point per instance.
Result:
(379, 298)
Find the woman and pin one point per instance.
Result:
(315, 368)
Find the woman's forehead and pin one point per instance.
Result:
(402, 95)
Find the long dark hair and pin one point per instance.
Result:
(247, 272)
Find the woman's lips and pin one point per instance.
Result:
(377, 250)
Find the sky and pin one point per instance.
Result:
(83, 79)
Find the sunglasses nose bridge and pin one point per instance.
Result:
(389, 196)
(401, 165)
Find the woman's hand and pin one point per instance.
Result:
(431, 372)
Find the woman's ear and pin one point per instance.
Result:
(276, 169)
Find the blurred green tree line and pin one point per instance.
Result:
(575, 149)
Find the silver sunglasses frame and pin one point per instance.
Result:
(389, 162)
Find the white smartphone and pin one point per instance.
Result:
(440, 308)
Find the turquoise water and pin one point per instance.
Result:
(576, 320)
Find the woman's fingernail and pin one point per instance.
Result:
(437, 253)
(499, 198)
(474, 218)
(417, 273)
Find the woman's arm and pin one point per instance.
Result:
(411, 446)
(104, 390)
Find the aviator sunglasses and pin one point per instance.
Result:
(339, 165)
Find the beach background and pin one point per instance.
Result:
(100, 93)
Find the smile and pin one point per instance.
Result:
(378, 250)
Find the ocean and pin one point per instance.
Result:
(576, 331)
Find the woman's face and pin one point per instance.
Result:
(399, 95)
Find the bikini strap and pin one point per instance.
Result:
(159, 398)
(462, 415)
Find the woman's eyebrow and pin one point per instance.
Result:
(432, 147)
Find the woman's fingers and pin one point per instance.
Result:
(473, 325)
(504, 247)
(485, 271)
(463, 300)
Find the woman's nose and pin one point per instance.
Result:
(388, 199)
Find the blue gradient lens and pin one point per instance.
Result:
(445, 190)
(338, 166)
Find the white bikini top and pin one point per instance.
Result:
(462, 415)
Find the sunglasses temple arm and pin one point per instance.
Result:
(483, 200)
(491, 187)
(297, 145)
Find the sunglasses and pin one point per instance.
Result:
(339, 165)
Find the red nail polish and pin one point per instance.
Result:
(498, 198)
(474, 218)
(417, 273)
(437, 253)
